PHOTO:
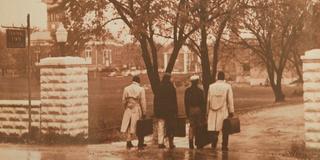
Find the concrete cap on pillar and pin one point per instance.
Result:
(61, 61)
(312, 54)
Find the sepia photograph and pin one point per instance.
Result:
(159, 79)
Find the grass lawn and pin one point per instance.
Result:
(105, 109)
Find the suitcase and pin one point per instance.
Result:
(180, 128)
(144, 127)
(231, 125)
(203, 136)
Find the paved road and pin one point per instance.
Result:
(266, 134)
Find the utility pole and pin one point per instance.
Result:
(29, 76)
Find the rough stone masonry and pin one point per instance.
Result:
(14, 117)
(64, 96)
(311, 88)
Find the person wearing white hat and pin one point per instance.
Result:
(195, 107)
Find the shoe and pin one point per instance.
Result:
(129, 145)
(140, 148)
(172, 146)
(144, 145)
(161, 146)
(199, 147)
(213, 146)
(224, 149)
(191, 144)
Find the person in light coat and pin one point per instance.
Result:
(219, 107)
(134, 101)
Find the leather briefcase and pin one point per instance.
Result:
(180, 130)
(231, 125)
(144, 127)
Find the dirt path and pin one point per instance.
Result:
(270, 130)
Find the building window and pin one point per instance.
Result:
(88, 55)
(107, 58)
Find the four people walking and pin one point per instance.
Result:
(219, 107)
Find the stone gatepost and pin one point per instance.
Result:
(311, 88)
(64, 96)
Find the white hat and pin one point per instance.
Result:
(194, 77)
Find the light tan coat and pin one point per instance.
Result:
(219, 104)
(133, 99)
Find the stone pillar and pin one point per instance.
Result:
(64, 96)
(311, 88)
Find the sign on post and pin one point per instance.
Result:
(16, 38)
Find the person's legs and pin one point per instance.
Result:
(215, 135)
(140, 142)
(225, 141)
(170, 127)
(171, 145)
(191, 133)
(161, 133)
(129, 138)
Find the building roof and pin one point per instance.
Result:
(42, 38)
(52, 4)
(245, 34)
(107, 42)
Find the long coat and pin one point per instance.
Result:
(194, 98)
(134, 101)
(166, 106)
(219, 104)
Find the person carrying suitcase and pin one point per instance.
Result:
(166, 111)
(195, 108)
(219, 107)
(134, 101)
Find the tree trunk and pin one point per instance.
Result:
(173, 57)
(153, 77)
(298, 66)
(276, 87)
(205, 64)
(216, 47)
(275, 83)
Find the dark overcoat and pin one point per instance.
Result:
(194, 97)
(166, 106)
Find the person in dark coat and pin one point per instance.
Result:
(195, 107)
(166, 110)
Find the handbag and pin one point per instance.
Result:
(144, 127)
(231, 125)
(180, 128)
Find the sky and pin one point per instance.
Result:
(14, 12)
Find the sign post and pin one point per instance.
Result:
(29, 77)
(16, 38)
